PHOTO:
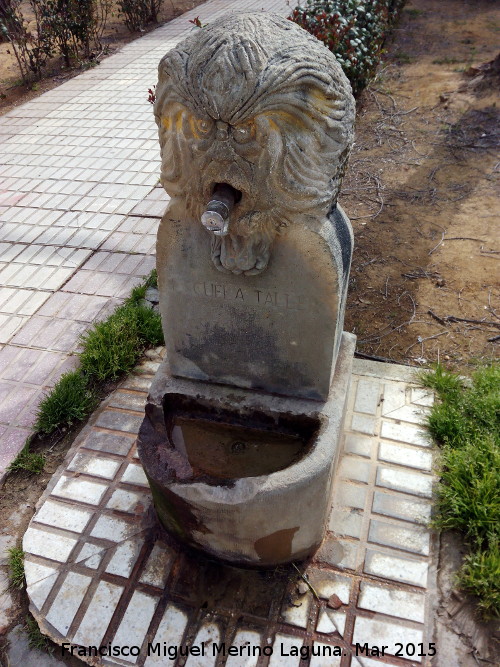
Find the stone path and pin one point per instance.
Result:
(101, 572)
(78, 213)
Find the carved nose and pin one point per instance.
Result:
(222, 131)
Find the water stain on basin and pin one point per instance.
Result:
(230, 451)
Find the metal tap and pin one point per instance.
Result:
(215, 218)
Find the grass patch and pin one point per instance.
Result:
(112, 347)
(36, 639)
(466, 423)
(27, 461)
(15, 564)
(69, 402)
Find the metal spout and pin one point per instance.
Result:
(215, 218)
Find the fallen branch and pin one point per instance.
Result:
(436, 317)
(494, 339)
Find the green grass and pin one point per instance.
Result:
(465, 421)
(70, 401)
(27, 461)
(15, 564)
(36, 639)
(112, 347)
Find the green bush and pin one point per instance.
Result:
(138, 13)
(354, 30)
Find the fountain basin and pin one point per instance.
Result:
(243, 475)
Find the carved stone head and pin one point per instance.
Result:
(254, 102)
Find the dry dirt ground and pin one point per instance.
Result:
(422, 191)
(115, 35)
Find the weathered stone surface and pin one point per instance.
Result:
(264, 519)
(254, 106)
(254, 102)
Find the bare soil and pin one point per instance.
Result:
(422, 191)
(12, 90)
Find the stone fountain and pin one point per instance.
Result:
(241, 434)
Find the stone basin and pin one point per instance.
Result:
(201, 447)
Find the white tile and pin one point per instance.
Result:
(297, 612)
(246, 643)
(396, 569)
(170, 633)
(326, 655)
(90, 555)
(331, 622)
(327, 583)
(67, 601)
(375, 632)
(393, 602)
(97, 466)
(63, 516)
(126, 501)
(405, 456)
(134, 474)
(158, 566)
(405, 433)
(124, 558)
(367, 397)
(208, 633)
(414, 483)
(398, 536)
(48, 545)
(39, 581)
(79, 489)
(114, 529)
(401, 507)
(98, 615)
(394, 397)
(135, 622)
(286, 651)
(364, 424)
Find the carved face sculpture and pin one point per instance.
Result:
(254, 102)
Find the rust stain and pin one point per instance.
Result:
(277, 546)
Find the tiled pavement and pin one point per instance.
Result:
(78, 213)
(100, 571)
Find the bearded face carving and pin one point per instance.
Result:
(254, 104)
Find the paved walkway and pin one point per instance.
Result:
(100, 572)
(78, 213)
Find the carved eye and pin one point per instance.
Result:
(204, 126)
(244, 133)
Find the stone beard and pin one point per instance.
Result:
(255, 102)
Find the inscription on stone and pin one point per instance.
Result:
(250, 296)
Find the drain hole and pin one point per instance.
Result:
(238, 447)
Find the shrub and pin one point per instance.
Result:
(32, 49)
(354, 30)
(69, 27)
(138, 13)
